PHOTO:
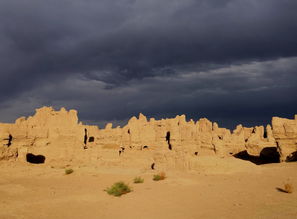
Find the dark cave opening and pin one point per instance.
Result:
(292, 157)
(35, 159)
(153, 166)
(9, 140)
(168, 140)
(168, 136)
(122, 150)
(265, 133)
(267, 155)
(86, 137)
(91, 139)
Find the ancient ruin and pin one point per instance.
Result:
(58, 137)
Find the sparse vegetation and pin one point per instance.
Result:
(118, 189)
(160, 176)
(68, 171)
(138, 180)
(288, 188)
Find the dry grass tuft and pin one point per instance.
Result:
(138, 180)
(118, 189)
(160, 176)
(288, 188)
(68, 171)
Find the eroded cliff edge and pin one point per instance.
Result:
(58, 137)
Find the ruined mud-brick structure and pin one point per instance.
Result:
(54, 137)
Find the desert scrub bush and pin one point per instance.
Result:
(118, 189)
(68, 171)
(160, 176)
(288, 188)
(138, 180)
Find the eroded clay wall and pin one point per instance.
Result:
(61, 138)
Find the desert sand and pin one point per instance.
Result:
(223, 188)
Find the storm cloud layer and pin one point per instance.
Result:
(233, 61)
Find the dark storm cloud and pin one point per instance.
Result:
(89, 54)
(247, 93)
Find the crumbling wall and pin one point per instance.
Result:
(59, 137)
(285, 134)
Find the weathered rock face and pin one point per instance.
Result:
(167, 143)
(45, 132)
(285, 134)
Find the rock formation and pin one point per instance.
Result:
(57, 137)
(285, 134)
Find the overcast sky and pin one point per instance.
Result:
(232, 61)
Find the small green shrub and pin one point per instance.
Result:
(68, 171)
(118, 189)
(138, 180)
(160, 176)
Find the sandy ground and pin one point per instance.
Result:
(39, 191)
